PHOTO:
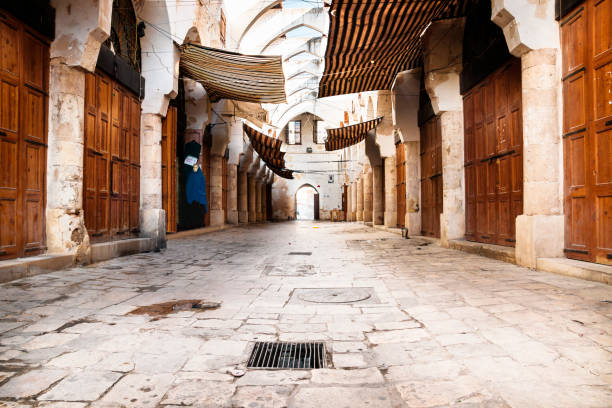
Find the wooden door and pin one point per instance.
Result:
(224, 186)
(205, 163)
(169, 138)
(316, 206)
(493, 156)
(400, 186)
(344, 197)
(586, 41)
(24, 84)
(431, 177)
(112, 159)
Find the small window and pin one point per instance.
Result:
(320, 135)
(222, 28)
(294, 132)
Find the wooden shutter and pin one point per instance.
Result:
(169, 139)
(112, 159)
(493, 156)
(24, 67)
(431, 177)
(586, 42)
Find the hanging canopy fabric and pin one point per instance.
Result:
(371, 41)
(269, 151)
(228, 75)
(340, 138)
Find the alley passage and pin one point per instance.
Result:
(429, 327)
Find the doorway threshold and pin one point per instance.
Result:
(579, 269)
(501, 253)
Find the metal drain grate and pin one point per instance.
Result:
(288, 356)
(300, 253)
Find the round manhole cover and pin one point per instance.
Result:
(339, 295)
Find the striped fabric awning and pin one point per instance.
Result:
(269, 151)
(340, 138)
(371, 41)
(228, 75)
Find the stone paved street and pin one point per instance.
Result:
(438, 327)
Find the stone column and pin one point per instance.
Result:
(65, 223)
(252, 198)
(378, 195)
(349, 201)
(258, 200)
(243, 197)
(540, 229)
(232, 194)
(264, 200)
(152, 216)
(354, 201)
(452, 219)
(359, 214)
(413, 188)
(390, 193)
(367, 195)
(443, 47)
(215, 191)
(532, 34)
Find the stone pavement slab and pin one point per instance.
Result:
(446, 328)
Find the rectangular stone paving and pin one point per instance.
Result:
(443, 328)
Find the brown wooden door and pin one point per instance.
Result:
(431, 177)
(493, 156)
(112, 159)
(400, 187)
(344, 197)
(316, 206)
(224, 186)
(24, 84)
(586, 40)
(169, 138)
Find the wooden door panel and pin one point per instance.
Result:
(23, 132)
(586, 38)
(494, 184)
(9, 52)
(8, 237)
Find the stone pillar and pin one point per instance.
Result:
(378, 195)
(442, 45)
(359, 214)
(65, 223)
(413, 188)
(452, 219)
(349, 201)
(264, 200)
(152, 216)
(258, 200)
(532, 34)
(215, 191)
(390, 193)
(367, 195)
(354, 201)
(252, 198)
(540, 229)
(243, 197)
(232, 194)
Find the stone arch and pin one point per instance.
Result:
(315, 209)
(259, 14)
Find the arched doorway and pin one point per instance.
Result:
(307, 203)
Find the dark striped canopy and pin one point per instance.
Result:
(268, 149)
(340, 138)
(371, 41)
(228, 75)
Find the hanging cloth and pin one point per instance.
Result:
(196, 188)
